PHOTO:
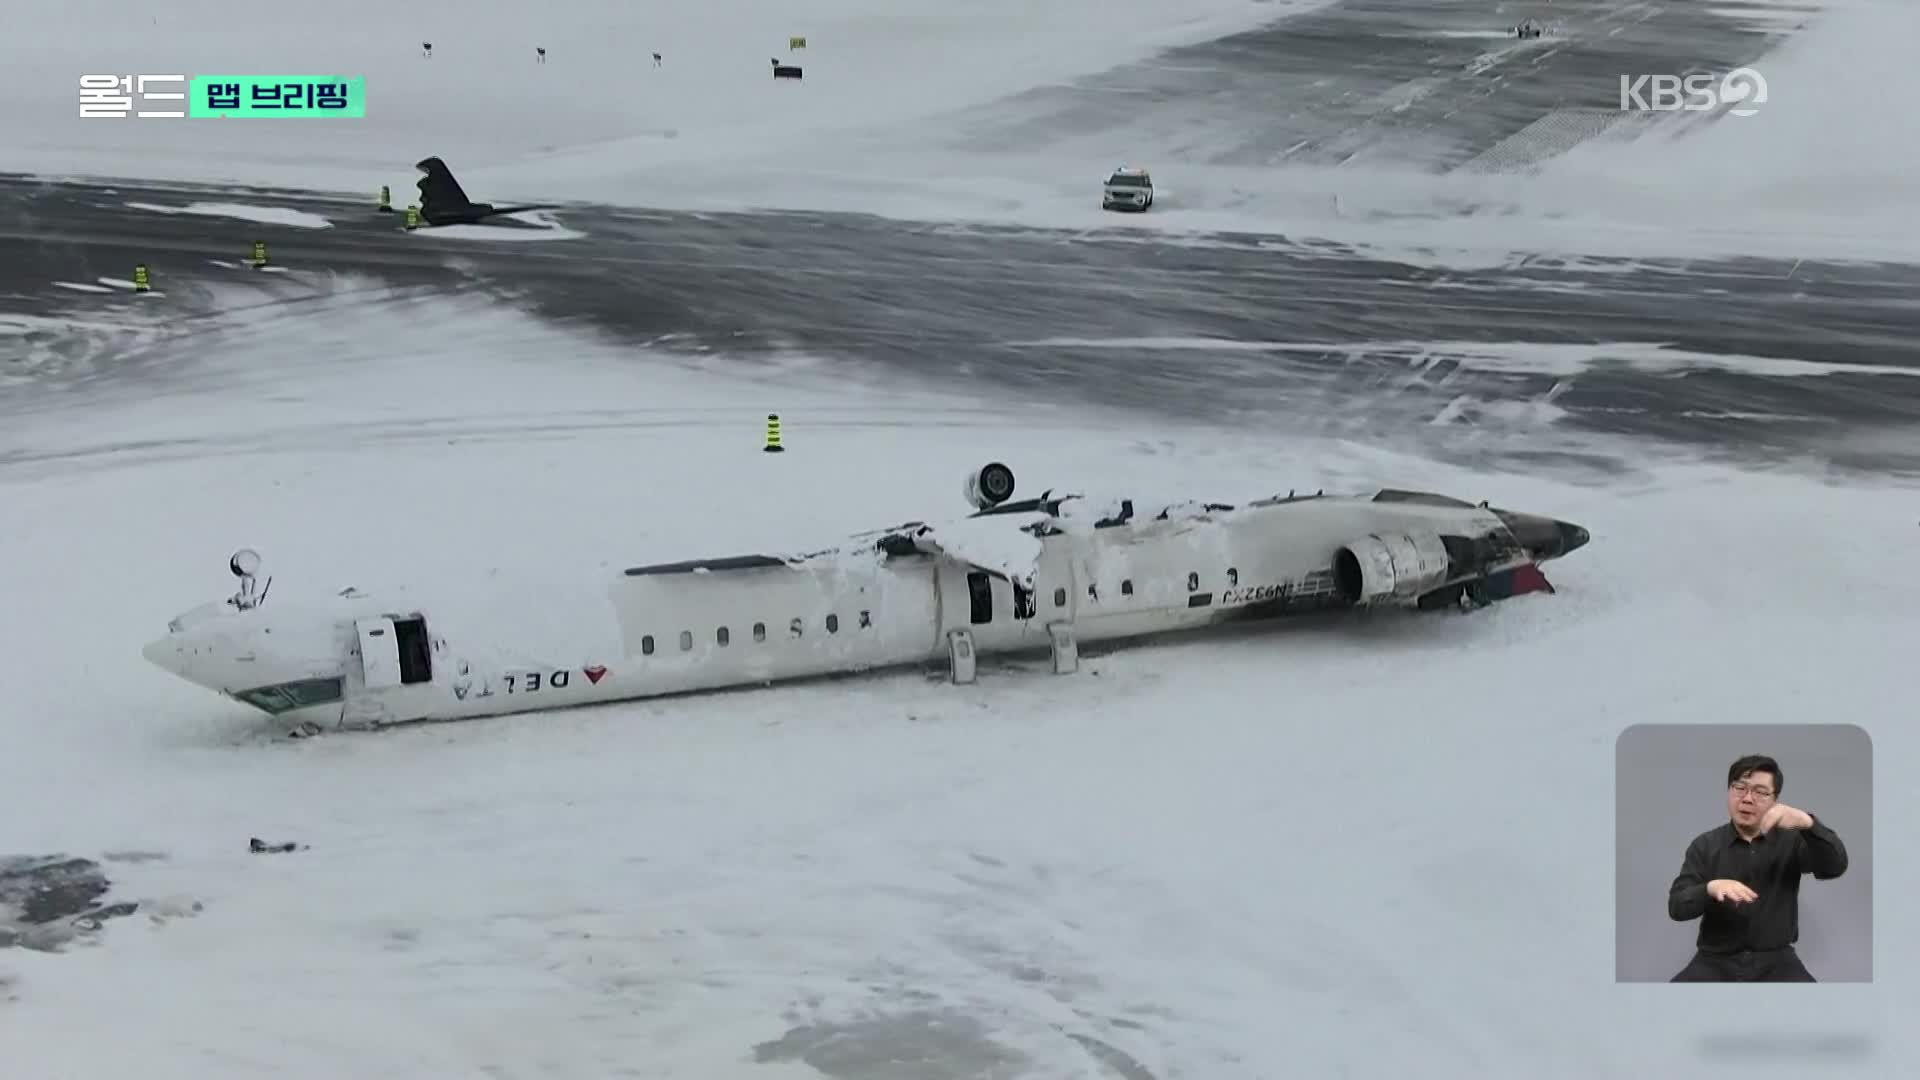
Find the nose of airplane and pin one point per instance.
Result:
(165, 653)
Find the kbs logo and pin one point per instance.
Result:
(1743, 90)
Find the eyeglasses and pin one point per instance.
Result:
(1741, 787)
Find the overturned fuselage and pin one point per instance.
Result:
(1049, 574)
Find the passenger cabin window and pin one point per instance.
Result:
(759, 631)
(833, 624)
(646, 645)
(721, 635)
(866, 619)
(1233, 576)
(686, 640)
(1193, 582)
(1126, 587)
(1059, 598)
(795, 627)
(980, 597)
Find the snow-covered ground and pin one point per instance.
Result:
(1821, 171)
(1379, 849)
(1374, 850)
(599, 105)
(293, 219)
(1824, 167)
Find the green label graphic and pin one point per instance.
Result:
(278, 95)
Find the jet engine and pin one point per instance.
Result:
(1393, 569)
(989, 485)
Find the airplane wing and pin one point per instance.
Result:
(1002, 544)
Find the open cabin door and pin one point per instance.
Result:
(976, 599)
(379, 652)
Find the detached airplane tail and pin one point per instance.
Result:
(441, 197)
(444, 202)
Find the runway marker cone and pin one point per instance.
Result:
(140, 282)
(413, 218)
(773, 435)
(259, 259)
(386, 200)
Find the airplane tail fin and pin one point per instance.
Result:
(441, 197)
(444, 202)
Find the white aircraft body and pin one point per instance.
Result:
(1038, 575)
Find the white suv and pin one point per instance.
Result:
(1127, 189)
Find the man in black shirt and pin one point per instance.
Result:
(1742, 881)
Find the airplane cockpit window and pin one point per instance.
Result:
(1425, 498)
(284, 697)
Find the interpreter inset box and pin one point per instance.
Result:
(1743, 853)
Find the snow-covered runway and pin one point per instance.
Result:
(1496, 360)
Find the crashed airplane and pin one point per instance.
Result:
(1041, 575)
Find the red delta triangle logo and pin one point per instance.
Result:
(594, 672)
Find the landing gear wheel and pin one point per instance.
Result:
(996, 483)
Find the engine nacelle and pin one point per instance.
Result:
(1392, 569)
(989, 485)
